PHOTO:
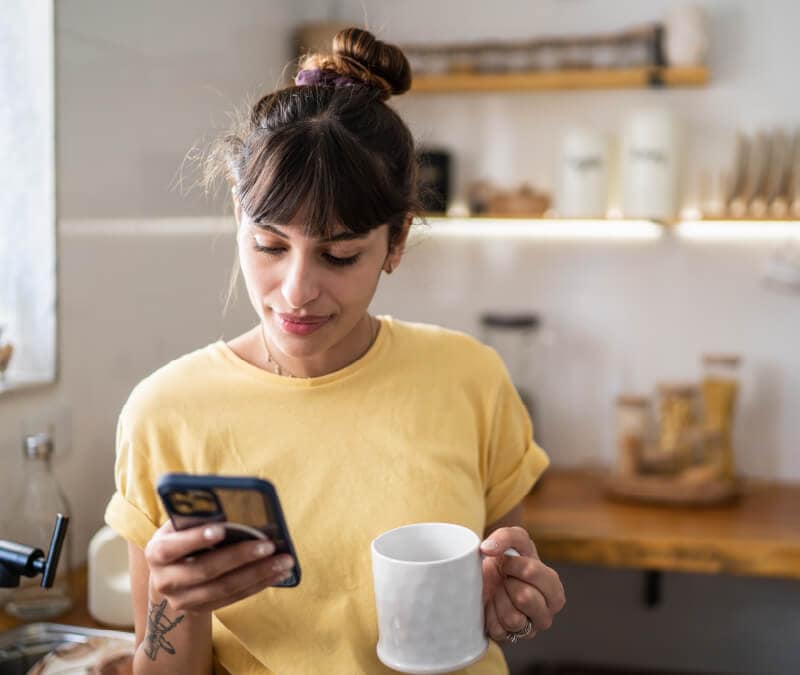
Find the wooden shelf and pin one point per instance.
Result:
(632, 78)
(572, 520)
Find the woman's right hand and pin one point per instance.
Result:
(211, 579)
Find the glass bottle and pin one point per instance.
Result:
(720, 387)
(38, 501)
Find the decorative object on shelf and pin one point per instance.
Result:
(651, 165)
(434, 179)
(583, 169)
(690, 458)
(634, 48)
(486, 199)
(762, 184)
(686, 39)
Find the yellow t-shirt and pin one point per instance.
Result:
(426, 426)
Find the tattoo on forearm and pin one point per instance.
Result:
(158, 626)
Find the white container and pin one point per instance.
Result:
(651, 165)
(686, 37)
(583, 169)
(109, 579)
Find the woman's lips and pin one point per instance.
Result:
(304, 325)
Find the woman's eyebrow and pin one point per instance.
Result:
(347, 235)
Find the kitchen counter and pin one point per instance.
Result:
(77, 616)
(571, 520)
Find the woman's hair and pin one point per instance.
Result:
(330, 151)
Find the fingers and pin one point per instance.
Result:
(234, 586)
(533, 572)
(188, 572)
(510, 617)
(493, 628)
(167, 545)
(509, 537)
(492, 578)
(526, 600)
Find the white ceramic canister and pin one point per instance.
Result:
(651, 165)
(109, 580)
(583, 170)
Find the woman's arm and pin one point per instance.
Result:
(167, 641)
(175, 590)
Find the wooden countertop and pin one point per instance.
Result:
(571, 520)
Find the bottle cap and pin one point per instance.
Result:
(37, 445)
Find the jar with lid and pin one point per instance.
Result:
(34, 509)
(720, 387)
(519, 339)
(633, 432)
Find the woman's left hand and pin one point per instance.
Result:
(517, 589)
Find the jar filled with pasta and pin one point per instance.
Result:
(720, 388)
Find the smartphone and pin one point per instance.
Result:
(247, 507)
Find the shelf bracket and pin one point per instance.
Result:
(652, 590)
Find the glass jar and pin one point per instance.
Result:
(633, 432)
(34, 511)
(677, 425)
(719, 390)
(519, 339)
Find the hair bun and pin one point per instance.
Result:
(358, 53)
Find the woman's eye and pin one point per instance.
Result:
(341, 262)
(271, 250)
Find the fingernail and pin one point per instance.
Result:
(489, 545)
(214, 532)
(265, 548)
(283, 564)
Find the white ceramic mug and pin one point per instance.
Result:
(428, 591)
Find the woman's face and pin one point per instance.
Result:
(311, 294)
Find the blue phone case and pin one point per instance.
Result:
(248, 507)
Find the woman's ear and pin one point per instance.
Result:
(397, 248)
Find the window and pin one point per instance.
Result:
(27, 196)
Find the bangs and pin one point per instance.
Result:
(317, 170)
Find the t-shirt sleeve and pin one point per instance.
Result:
(514, 461)
(134, 510)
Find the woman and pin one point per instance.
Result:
(363, 423)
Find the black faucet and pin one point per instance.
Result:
(18, 560)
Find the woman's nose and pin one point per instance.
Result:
(300, 285)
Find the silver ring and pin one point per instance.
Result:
(524, 632)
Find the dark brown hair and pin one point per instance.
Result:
(337, 154)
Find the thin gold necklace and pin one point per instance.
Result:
(276, 367)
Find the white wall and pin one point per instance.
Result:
(139, 83)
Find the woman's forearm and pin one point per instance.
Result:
(175, 642)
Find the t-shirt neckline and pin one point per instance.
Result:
(360, 364)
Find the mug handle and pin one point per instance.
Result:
(511, 552)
